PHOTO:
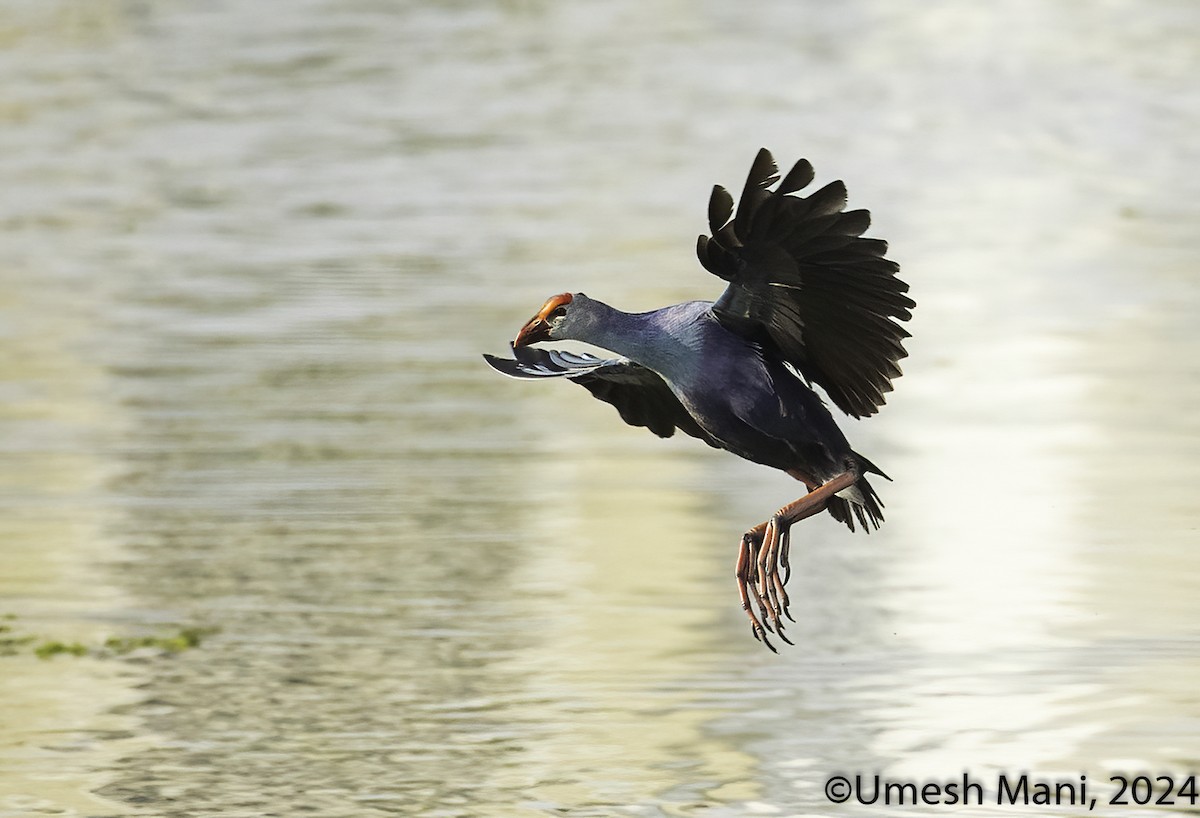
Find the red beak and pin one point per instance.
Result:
(538, 327)
(536, 330)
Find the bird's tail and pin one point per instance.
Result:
(860, 501)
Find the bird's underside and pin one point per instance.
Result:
(806, 294)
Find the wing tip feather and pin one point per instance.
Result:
(846, 294)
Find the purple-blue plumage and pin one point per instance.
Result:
(808, 301)
(750, 404)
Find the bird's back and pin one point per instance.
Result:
(752, 403)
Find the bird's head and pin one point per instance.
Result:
(553, 321)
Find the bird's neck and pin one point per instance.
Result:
(645, 338)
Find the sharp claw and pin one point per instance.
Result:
(779, 597)
(785, 547)
(756, 624)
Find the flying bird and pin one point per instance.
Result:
(809, 301)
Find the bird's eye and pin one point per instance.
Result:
(559, 312)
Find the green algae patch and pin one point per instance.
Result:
(49, 649)
(13, 643)
(185, 639)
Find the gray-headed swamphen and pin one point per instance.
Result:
(809, 300)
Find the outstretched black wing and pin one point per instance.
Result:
(640, 396)
(803, 281)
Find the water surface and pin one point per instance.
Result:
(251, 253)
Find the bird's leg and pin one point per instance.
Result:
(785, 547)
(765, 547)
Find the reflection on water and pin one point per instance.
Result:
(251, 257)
